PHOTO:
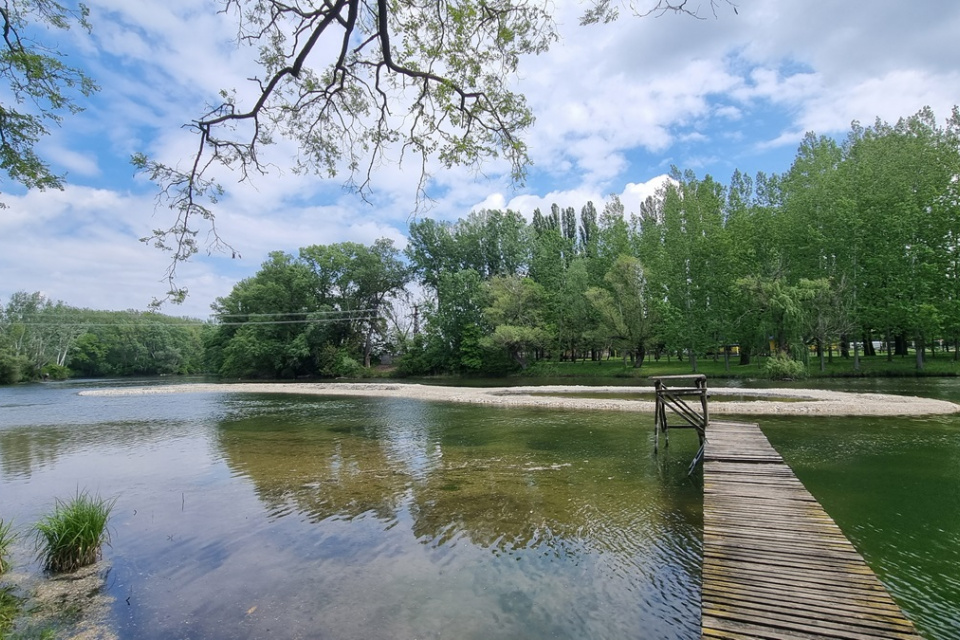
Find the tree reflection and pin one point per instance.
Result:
(501, 480)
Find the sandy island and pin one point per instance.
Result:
(801, 402)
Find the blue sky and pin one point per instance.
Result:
(616, 106)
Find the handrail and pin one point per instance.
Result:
(672, 398)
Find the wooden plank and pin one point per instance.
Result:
(775, 565)
(871, 616)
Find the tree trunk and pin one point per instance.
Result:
(919, 348)
(367, 348)
(519, 357)
(744, 355)
(844, 347)
(868, 349)
(901, 349)
(641, 356)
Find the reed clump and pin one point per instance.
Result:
(7, 536)
(74, 534)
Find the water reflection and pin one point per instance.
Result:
(501, 480)
(42, 423)
(582, 536)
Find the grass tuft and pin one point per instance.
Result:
(73, 535)
(7, 536)
(11, 605)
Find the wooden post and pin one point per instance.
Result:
(673, 398)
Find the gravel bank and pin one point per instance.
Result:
(768, 401)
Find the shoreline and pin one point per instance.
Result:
(802, 402)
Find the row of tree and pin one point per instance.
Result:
(40, 338)
(856, 244)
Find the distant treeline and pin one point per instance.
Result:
(40, 338)
(856, 245)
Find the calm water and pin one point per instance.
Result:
(893, 486)
(245, 516)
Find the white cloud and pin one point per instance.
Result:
(74, 162)
(634, 194)
(615, 105)
(80, 246)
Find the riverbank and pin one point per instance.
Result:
(793, 402)
(879, 366)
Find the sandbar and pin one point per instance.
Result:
(787, 402)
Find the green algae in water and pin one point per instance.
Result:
(893, 487)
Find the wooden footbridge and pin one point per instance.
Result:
(775, 565)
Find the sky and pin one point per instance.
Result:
(616, 106)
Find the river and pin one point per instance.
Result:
(250, 516)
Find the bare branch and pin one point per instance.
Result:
(427, 78)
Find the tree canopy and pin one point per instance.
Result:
(41, 87)
(854, 249)
(356, 83)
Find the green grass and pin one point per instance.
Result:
(74, 534)
(10, 606)
(7, 536)
(942, 364)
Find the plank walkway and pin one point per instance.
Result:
(775, 565)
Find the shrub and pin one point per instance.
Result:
(780, 366)
(55, 372)
(347, 367)
(13, 369)
(6, 541)
(73, 535)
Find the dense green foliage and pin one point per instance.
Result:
(73, 535)
(322, 313)
(853, 250)
(855, 245)
(43, 339)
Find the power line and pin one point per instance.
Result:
(226, 319)
(294, 313)
(200, 324)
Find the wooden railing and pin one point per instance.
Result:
(691, 417)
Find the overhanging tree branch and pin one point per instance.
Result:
(427, 77)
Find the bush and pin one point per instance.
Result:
(13, 369)
(781, 367)
(55, 372)
(73, 535)
(347, 367)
